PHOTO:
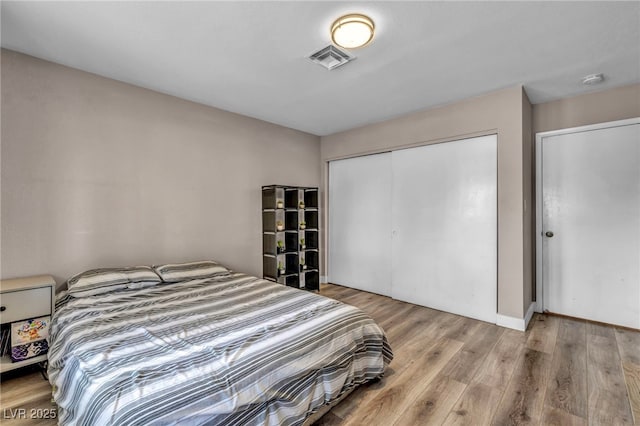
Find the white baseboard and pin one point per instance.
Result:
(324, 279)
(519, 324)
(510, 322)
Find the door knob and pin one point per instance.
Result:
(549, 234)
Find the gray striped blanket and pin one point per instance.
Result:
(225, 350)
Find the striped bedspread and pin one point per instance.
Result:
(225, 350)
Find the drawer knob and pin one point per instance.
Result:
(3, 308)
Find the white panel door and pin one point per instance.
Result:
(360, 223)
(444, 214)
(591, 224)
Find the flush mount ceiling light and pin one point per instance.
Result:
(352, 31)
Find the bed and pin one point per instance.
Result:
(224, 349)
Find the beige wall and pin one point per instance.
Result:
(528, 190)
(599, 107)
(499, 112)
(98, 173)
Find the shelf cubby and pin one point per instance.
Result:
(271, 196)
(291, 241)
(291, 263)
(291, 219)
(312, 280)
(292, 281)
(270, 219)
(311, 219)
(311, 198)
(291, 198)
(270, 243)
(311, 239)
(270, 267)
(311, 259)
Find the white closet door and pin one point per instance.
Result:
(591, 224)
(444, 214)
(360, 223)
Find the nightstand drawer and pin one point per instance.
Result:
(25, 304)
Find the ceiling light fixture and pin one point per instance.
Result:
(593, 79)
(352, 31)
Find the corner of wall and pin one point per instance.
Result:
(529, 208)
(519, 324)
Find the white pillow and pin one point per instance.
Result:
(104, 280)
(174, 272)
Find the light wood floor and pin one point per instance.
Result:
(454, 370)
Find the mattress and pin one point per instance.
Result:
(225, 350)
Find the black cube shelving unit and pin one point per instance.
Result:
(290, 226)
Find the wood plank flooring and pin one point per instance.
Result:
(451, 370)
(561, 371)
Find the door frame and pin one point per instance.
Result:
(539, 307)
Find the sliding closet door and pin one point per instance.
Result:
(360, 222)
(444, 215)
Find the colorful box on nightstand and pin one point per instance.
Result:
(29, 338)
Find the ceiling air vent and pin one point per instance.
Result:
(331, 57)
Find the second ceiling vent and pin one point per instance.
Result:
(331, 57)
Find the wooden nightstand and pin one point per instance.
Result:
(25, 298)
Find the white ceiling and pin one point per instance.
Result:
(250, 57)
